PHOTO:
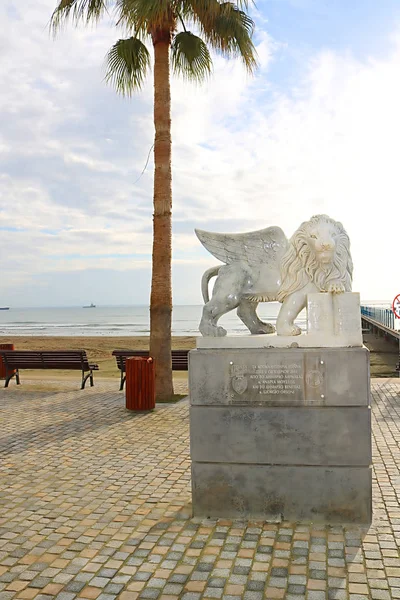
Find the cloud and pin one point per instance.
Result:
(247, 153)
(329, 145)
(91, 163)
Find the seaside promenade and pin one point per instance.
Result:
(95, 504)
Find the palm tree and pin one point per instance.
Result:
(223, 26)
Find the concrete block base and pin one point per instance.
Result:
(281, 434)
(294, 493)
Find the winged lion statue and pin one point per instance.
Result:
(265, 266)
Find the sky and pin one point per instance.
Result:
(316, 130)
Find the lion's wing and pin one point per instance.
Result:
(254, 247)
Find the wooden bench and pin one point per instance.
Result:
(14, 360)
(179, 360)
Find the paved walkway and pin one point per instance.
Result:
(95, 503)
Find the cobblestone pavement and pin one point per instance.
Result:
(95, 504)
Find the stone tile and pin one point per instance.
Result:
(316, 584)
(380, 594)
(235, 589)
(90, 592)
(272, 593)
(28, 593)
(65, 596)
(52, 589)
(150, 592)
(195, 586)
(114, 527)
(75, 586)
(315, 595)
(39, 582)
(99, 582)
(213, 593)
(255, 585)
(358, 588)
(253, 595)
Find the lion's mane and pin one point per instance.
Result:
(299, 266)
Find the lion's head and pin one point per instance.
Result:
(319, 251)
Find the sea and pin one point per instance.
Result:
(123, 320)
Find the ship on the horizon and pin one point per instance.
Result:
(4, 308)
(90, 306)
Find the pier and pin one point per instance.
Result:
(382, 322)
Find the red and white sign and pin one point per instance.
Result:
(396, 306)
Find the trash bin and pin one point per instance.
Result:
(140, 383)
(2, 367)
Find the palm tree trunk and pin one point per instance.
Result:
(161, 284)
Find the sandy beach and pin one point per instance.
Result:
(99, 350)
(384, 355)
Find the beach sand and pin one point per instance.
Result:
(98, 349)
(384, 355)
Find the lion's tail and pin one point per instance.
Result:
(205, 279)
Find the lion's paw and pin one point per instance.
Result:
(209, 330)
(220, 332)
(336, 288)
(264, 328)
(288, 330)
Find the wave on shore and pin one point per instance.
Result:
(115, 321)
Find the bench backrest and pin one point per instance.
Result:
(122, 355)
(179, 358)
(45, 359)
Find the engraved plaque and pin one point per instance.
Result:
(277, 377)
(286, 378)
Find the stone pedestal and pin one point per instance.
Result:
(281, 433)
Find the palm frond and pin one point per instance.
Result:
(78, 10)
(144, 14)
(200, 10)
(245, 4)
(208, 10)
(190, 56)
(127, 65)
(230, 32)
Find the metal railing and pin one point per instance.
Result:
(379, 314)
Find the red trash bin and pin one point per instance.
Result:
(2, 367)
(140, 383)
